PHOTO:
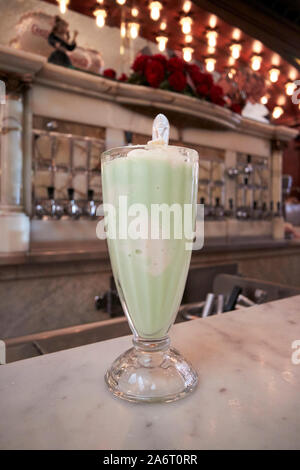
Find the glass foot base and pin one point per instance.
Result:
(151, 372)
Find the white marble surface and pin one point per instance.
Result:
(248, 396)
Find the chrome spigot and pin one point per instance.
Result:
(230, 211)
(39, 211)
(242, 213)
(256, 212)
(232, 172)
(73, 210)
(91, 207)
(264, 214)
(55, 210)
(248, 169)
(218, 210)
(207, 208)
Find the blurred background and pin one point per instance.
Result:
(84, 76)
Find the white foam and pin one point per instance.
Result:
(157, 150)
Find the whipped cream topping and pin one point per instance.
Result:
(156, 149)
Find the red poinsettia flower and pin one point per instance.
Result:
(177, 80)
(161, 58)
(220, 101)
(203, 89)
(123, 77)
(109, 73)
(175, 64)
(139, 65)
(208, 79)
(216, 95)
(194, 72)
(200, 78)
(236, 108)
(155, 72)
(192, 68)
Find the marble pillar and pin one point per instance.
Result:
(276, 189)
(14, 224)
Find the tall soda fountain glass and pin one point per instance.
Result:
(151, 191)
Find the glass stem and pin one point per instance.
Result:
(151, 353)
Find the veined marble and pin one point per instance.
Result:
(15, 226)
(248, 393)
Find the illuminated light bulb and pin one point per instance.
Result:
(290, 87)
(256, 62)
(187, 53)
(293, 74)
(212, 38)
(231, 73)
(155, 8)
(100, 17)
(264, 99)
(163, 26)
(121, 2)
(122, 50)
(274, 75)
(186, 24)
(210, 63)
(63, 4)
(277, 112)
(162, 42)
(188, 38)
(187, 6)
(276, 60)
(257, 47)
(123, 30)
(212, 21)
(235, 50)
(134, 29)
(100, 2)
(135, 12)
(231, 61)
(281, 100)
(236, 35)
(211, 50)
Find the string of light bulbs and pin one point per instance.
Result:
(131, 28)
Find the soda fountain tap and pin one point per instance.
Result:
(248, 169)
(207, 208)
(232, 172)
(243, 211)
(230, 212)
(264, 214)
(91, 207)
(73, 210)
(270, 213)
(256, 212)
(39, 211)
(218, 210)
(55, 209)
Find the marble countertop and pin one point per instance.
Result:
(248, 395)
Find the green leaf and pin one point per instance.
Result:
(165, 85)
